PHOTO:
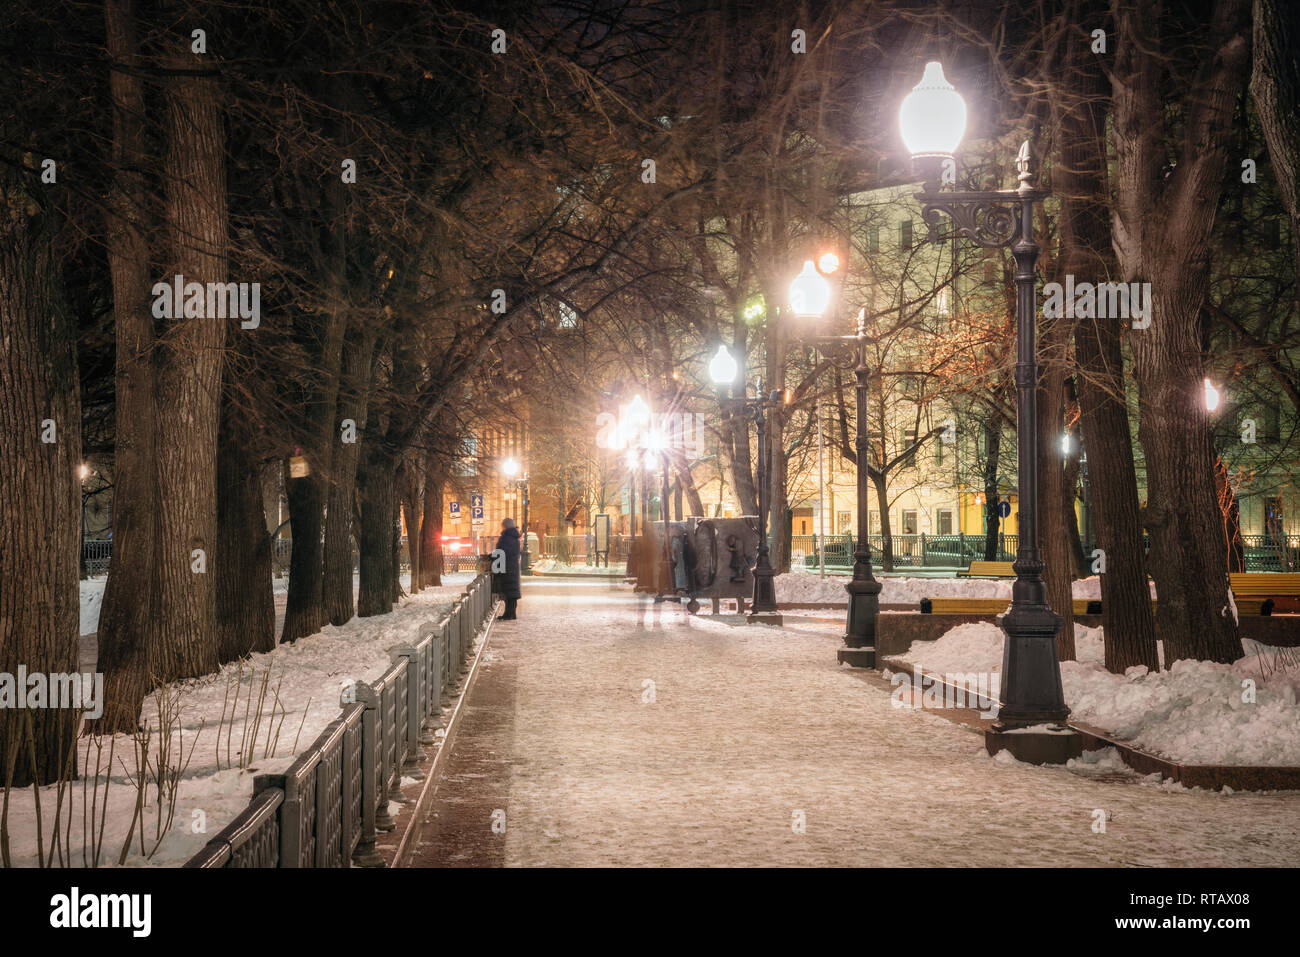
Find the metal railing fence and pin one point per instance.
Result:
(327, 808)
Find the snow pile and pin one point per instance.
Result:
(803, 587)
(307, 676)
(1196, 712)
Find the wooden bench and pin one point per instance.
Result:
(989, 606)
(1082, 606)
(1269, 584)
(1272, 591)
(988, 570)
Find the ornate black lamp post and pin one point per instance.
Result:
(723, 369)
(809, 297)
(933, 119)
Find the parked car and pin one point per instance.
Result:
(456, 545)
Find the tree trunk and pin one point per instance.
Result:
(40, 494)
(1162, 229)
(353, 404)
(411, 502)
(242, 561)
(1128, 623)
(879, 479)
(686, 483)
(992, 520)
(126, 610)
(431, 528)
(1275, 88)
(376, 486)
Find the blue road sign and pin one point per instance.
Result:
(455, 509)
(1004, 509)
(476, 501)
(476, 513)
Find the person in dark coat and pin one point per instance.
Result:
(508, 581)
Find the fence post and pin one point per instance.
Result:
(290, 814)
(411, 733)
(444, 669)
(365, 854)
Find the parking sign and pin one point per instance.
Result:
(454, 508)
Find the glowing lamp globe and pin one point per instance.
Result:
(1211, 396)
(932, 118)
(510, 468)
(810, 293)
(722, 367)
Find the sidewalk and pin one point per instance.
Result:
(752, 727)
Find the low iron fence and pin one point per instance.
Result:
(909, 551)
(328, 807)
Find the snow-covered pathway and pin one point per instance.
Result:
(604, 730)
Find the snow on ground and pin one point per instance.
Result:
(1192, 713)
(92, 596)
(560, 568)
(755, 728)
(806, 587)
(307, 675)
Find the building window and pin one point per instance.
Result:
(905, 234)
(873, 239)
(843, 521)
(945, 521)
(909, 521)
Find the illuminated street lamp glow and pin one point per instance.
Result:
(1065, 444)
(828, 263)
(633, 458)
(810, 293)
(84, 471)
(510, 468)
(722, 367)
(638, 413)
(933, 116)
(1211, 396)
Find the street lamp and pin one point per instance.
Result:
(512, 468)
(863, 610)
(932, 120)
(1211, 396)
(656, 454)
(763, 608)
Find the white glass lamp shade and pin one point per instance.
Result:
(932, 118)
(810, 293)
(510, 468)
(722, 367)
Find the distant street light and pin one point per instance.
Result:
(1211, 396)
(723, 372)
(864, 590)
(512, 468)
